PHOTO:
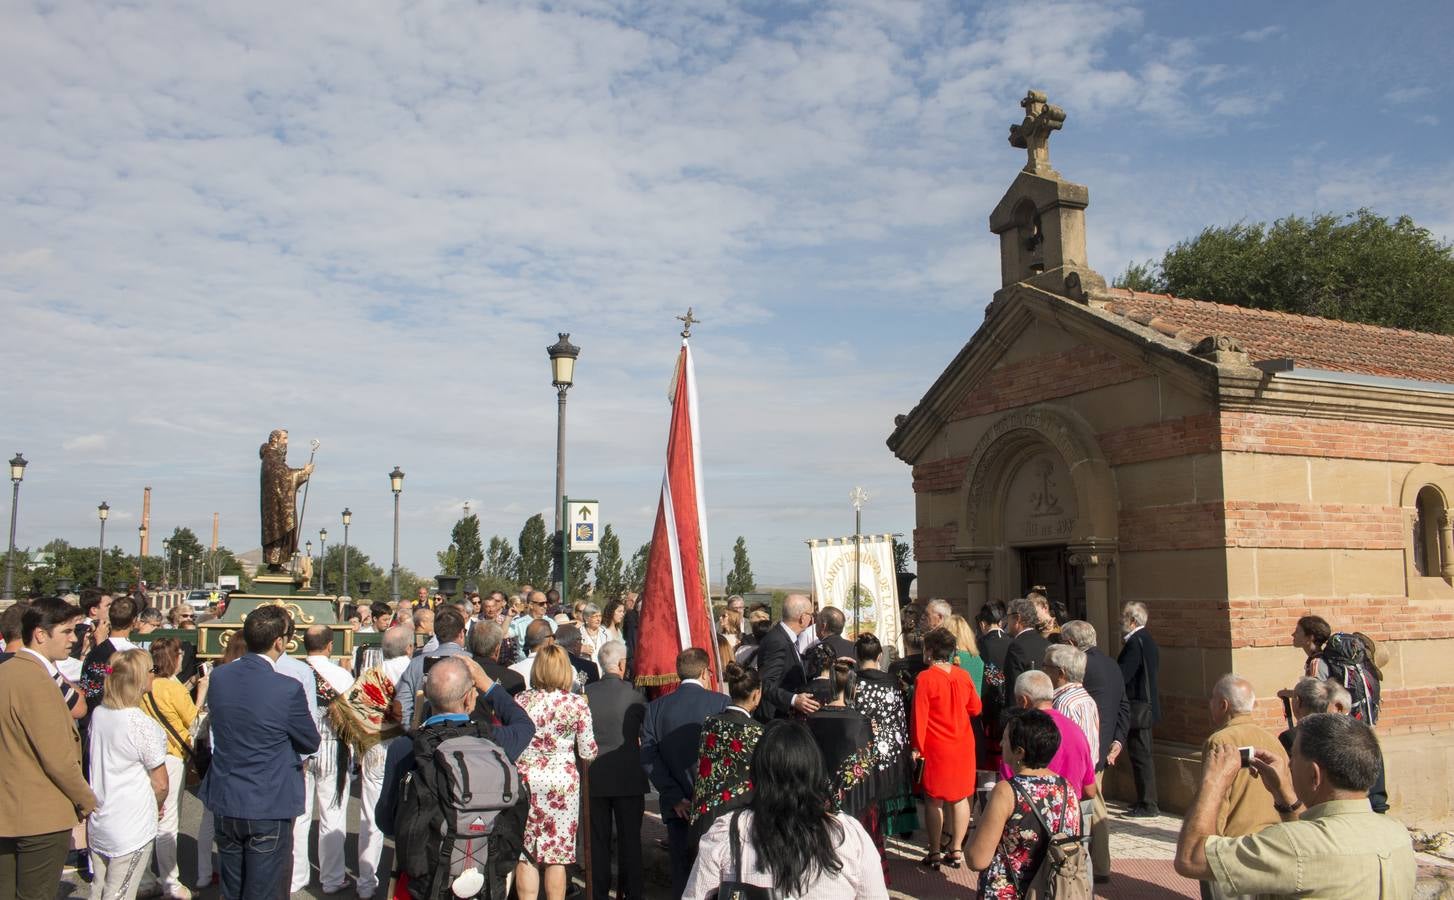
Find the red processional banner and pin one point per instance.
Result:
(676, 603)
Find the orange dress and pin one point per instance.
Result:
(944, 702)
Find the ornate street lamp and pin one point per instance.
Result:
(447, 585)
(396, 484)
(322, 557)
(140, 547)
(563, 356)
(17, 472)
(167, 558)
(347, 518)
(363, 588)
(103, 512)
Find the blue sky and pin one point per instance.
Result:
(365, 222)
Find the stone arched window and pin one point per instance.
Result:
(1428, 535)
(1430, 512)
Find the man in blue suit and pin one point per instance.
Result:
(254, 787)
(669, 738)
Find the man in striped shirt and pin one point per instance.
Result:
(1066, 667)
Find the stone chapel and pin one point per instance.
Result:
(1232, 468)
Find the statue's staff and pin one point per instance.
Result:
(298, 532)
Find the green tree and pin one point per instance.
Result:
(578, 586)
(739, 580)
(465, 555)
(610, 568)
(532, 563)
(360, 568)
(1359, 267)
(903, 552)
(499, 560)
(635, 577)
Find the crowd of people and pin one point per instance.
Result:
(499, 741)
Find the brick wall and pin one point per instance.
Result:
(1162, 440)
(1313, 525)
(940, 475)
(934, 544)
(1267, 622)
(1045, 377)
(1294, 436)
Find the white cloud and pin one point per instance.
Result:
(1258, 35)
(85, 443)
(366, 225)
(1410, 94)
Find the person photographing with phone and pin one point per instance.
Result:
(1329, 842)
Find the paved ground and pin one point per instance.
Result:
(1142, 850)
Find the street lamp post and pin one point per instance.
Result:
(347, 518)
(308, 549)
(322, 558)
(17, 472)
(102, 512)
(858, 497)
(140, 547)
(166, 563)
(563, 356)
(396, 484)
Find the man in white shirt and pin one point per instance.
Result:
(536, 635)
(325, 774)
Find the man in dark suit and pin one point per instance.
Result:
(1103, 682)
(254, 787)
(669, 738)
(618, 783)
(1140, 661)
(830, 623)
(784, 683)
(484, 644)
(587, 672)
(1026, 648)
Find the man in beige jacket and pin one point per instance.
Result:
(43, 794)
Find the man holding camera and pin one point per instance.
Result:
(1329, 842)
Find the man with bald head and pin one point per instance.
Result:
(1247, 807)
(325, 774)
(784, 682)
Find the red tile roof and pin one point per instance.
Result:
(1311, 342)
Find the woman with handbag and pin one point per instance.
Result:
(1023, 812)
(787, 843)
(170, 704)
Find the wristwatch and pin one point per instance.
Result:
(1287, 810)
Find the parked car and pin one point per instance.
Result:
(198, 600)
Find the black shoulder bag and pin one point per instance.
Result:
(732, 886)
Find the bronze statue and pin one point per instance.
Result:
(279, 501)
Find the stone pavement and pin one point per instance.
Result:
(1141, 853)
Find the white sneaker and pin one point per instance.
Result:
(179, 892)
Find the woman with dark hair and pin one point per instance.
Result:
(944, 705)
(1009, 841)
(993, 645)
(818, 665)
(846, 739)
(724, 777)
(880, 698)
(791, 840)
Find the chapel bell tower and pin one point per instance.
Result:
(1041, 219)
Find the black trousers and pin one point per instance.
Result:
(683, 852)
(1143, 767)
(624, 814)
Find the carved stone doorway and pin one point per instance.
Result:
(1050, 567)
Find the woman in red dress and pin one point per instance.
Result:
(944, 703)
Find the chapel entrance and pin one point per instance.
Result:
(1050, 568)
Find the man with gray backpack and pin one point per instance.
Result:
(452, 795)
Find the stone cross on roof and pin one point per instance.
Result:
(1033, 134)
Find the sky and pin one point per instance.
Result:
(365, 222)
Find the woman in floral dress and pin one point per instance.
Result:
(563, 731)
(724, 776)
(1009, 840)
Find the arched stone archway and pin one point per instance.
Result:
(989, 533)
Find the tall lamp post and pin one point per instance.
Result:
(347, 518)
(140, 547)
(17, 472)
(562, 371)
(102, 512)
(858, 497)
(167, 563)
(396, 484)
(322, 558)
(308, 549)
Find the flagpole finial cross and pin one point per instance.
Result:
(688, 321)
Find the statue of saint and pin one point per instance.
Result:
(279, 501)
